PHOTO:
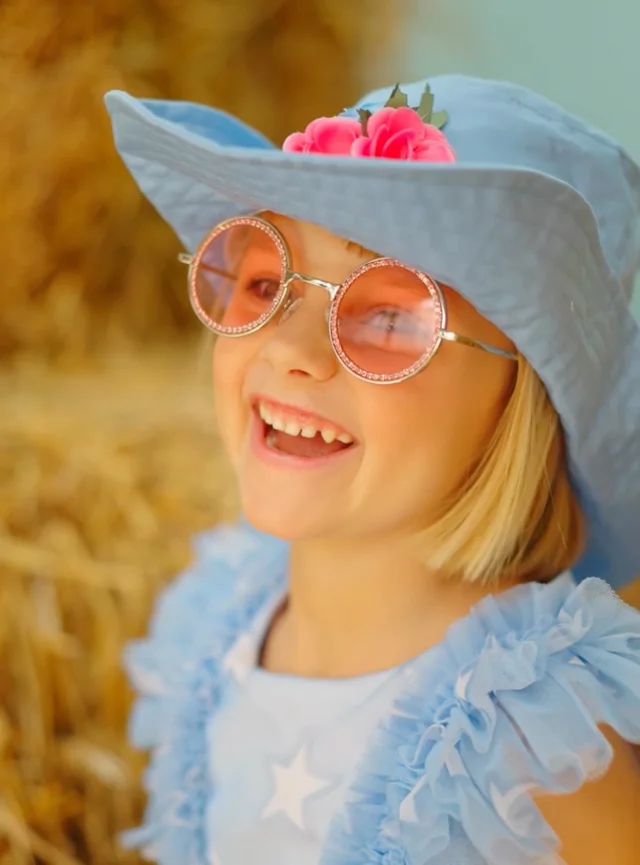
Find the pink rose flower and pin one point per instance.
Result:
(400, 133)
(392, 133)
(331, 135)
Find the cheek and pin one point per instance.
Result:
(427, 433)
(229, 369)
(465, 410)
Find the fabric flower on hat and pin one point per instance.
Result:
(399, 133)
(395, 131)
(331, 135)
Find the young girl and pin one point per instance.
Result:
(427, 379)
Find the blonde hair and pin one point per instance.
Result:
(516, 515)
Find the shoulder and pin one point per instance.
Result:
(513, 712)
(232, 571)
(177, 674)
(558, 665)
(599, 823)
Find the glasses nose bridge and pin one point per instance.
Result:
(331, 288)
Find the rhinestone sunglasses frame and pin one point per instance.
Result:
(283, 301)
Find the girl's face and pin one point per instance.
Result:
(406, 448)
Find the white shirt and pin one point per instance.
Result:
(282, 751)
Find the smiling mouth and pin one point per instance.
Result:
(299, 446)
(303, 438)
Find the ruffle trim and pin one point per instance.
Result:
(178, 674)
(528, 677)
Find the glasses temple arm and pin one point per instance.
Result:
(476, 343)
(185, 258)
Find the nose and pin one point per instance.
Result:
(299, 342)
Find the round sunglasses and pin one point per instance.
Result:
(386, 320)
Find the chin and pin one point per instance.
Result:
(286, 520)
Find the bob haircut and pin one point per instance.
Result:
(516, 516)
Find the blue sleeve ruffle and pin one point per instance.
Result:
(176, 672)
(509, 705)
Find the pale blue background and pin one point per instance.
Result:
(584, 54)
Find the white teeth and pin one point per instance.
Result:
(265, 414)
(294, 428)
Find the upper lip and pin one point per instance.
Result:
(297, 413)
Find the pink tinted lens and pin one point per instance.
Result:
(388, 320)
(237, 277)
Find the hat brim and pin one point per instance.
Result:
(522, 246)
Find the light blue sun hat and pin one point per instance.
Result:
(537, 223)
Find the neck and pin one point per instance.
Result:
(356, 607)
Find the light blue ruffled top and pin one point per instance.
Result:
(441, 755)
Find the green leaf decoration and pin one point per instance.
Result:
(439, 119)
(425, 109)
(398, 99)
(363, 116)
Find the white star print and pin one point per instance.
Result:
(293, 785)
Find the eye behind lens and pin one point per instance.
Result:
(387, 320)
(237, 277)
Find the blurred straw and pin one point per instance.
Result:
(108, 457)
(104, 476)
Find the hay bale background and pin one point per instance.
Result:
(96, 511)
(108, 456)
(84, 261)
